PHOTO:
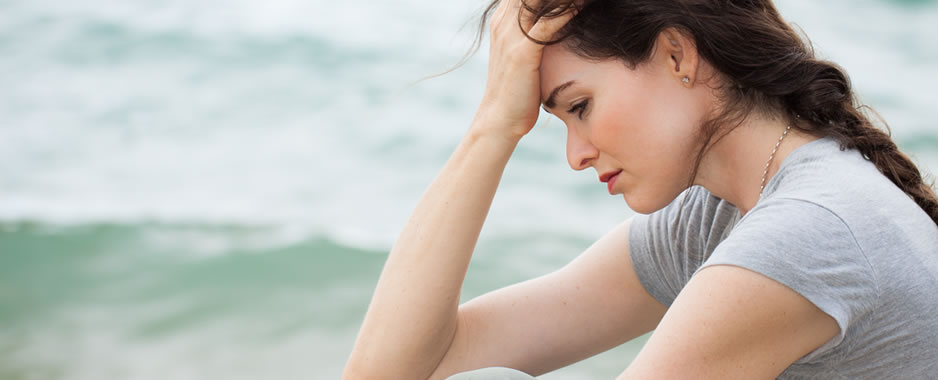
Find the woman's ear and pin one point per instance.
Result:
(680, 55)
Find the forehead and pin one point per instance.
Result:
(559, 65)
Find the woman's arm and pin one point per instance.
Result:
(731, 323)
(412, 318)
(591, 305)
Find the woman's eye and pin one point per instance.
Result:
(579, 109)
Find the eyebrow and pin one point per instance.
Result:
(552, 99)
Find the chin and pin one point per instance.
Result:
(647, 204)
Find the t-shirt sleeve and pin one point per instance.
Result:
(809, 249)
(669, 245)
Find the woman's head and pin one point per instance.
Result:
(731, 54)
(744, 53)
(739, 54)
(617, 122)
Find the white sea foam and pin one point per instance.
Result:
(296, 113)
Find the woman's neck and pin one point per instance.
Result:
(733, 168)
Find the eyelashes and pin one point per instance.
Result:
(579, 108)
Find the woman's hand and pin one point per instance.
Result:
(512, 91)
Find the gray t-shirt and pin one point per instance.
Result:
(833, 229)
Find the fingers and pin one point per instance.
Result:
(505, 14)
(508, 12)
(529, 19)
(545, 28)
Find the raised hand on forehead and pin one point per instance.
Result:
(512, 95)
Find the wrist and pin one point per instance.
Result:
(488, 127)
(489, 133)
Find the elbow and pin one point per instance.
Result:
(359, 368)
(354, 371)
(363, 370)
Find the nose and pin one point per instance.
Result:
(580, 151)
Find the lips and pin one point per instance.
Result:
(610, 178)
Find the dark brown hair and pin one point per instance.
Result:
(762, 63)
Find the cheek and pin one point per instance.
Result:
(633, 123)
(650, 132)
(655, 117)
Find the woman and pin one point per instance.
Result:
(785, 237)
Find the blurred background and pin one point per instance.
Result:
(208, 189)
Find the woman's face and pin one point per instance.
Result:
(642, 123)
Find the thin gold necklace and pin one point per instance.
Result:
(765, 173)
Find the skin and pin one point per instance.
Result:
(726, 323)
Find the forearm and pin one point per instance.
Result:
(413, 314)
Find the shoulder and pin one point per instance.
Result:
(840, 180)
(783, 287)
(809, 249)
(794, 235)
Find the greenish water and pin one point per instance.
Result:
(48, 271)
(143, 300)
(194, 190)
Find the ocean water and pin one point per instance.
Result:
(208, 189)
